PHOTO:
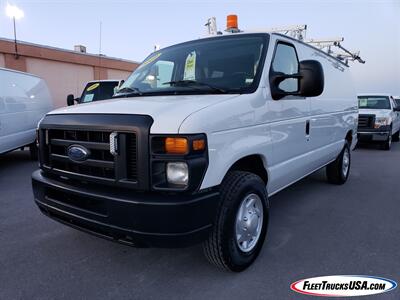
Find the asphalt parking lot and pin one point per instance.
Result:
(315, 229)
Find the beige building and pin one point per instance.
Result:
(66, 72)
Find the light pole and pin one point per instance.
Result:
(14, 13)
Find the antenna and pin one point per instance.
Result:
(100, 33)
(100, 39)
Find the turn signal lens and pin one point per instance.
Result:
(176, 145)
(199, 145)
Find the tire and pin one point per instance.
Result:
(33, 150)
(396, 136)
(338, 171)
(386, 145)
(223, 247)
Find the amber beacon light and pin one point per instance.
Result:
(232, 23)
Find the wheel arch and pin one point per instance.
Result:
(349, 136)
(253, 163)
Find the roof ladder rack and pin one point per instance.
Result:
(345, 55)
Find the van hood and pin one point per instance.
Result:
(168, 112)
(376, 112)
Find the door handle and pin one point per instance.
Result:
(307, 128)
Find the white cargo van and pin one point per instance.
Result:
(378, 119)
(24, 100)
(196, 141)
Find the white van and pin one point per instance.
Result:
(24, 100)
(196, 141)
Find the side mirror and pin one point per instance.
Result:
(70, 100)
(396, 108)
(310, 80)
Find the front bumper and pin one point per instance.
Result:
(126, 216)
(380, 134)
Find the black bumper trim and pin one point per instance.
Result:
(134, 218)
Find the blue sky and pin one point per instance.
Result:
(131, 28)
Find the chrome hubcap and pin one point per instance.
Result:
(249, 221)
(346, 162)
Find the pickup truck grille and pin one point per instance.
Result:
(125, 169)
(366, 121)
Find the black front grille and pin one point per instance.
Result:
(100, 163)
(131, 155)
(366, 121)
(127, 168)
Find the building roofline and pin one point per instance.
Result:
(68, 51)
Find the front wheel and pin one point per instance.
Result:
(33, 151)
(388, 143)
(396, 136)
(241, 222)
(338, 171)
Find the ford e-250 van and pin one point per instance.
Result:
(196, 141)
(24, 100)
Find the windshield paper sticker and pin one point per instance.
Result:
(92, 87)
(88, 98)
(363, 102)
(190, 67)
(150, 59)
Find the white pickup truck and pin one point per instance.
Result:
(378, 119)
(196, 141)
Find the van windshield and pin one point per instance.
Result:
(228, 64)
(95, 91)
(374, 102)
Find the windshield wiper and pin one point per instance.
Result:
(191, 83)
(127, 91)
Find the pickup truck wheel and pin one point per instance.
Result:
(388, 143)
(338, 171)
(241, 222)
(396, 136)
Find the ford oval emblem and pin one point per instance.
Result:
(78, 153)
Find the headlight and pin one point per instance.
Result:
(178, 173)
(381, 121)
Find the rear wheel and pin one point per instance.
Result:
(338, 171)
(241, 222)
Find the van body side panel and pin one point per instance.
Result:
(235, 128)
(334, 112)
(24, 100)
